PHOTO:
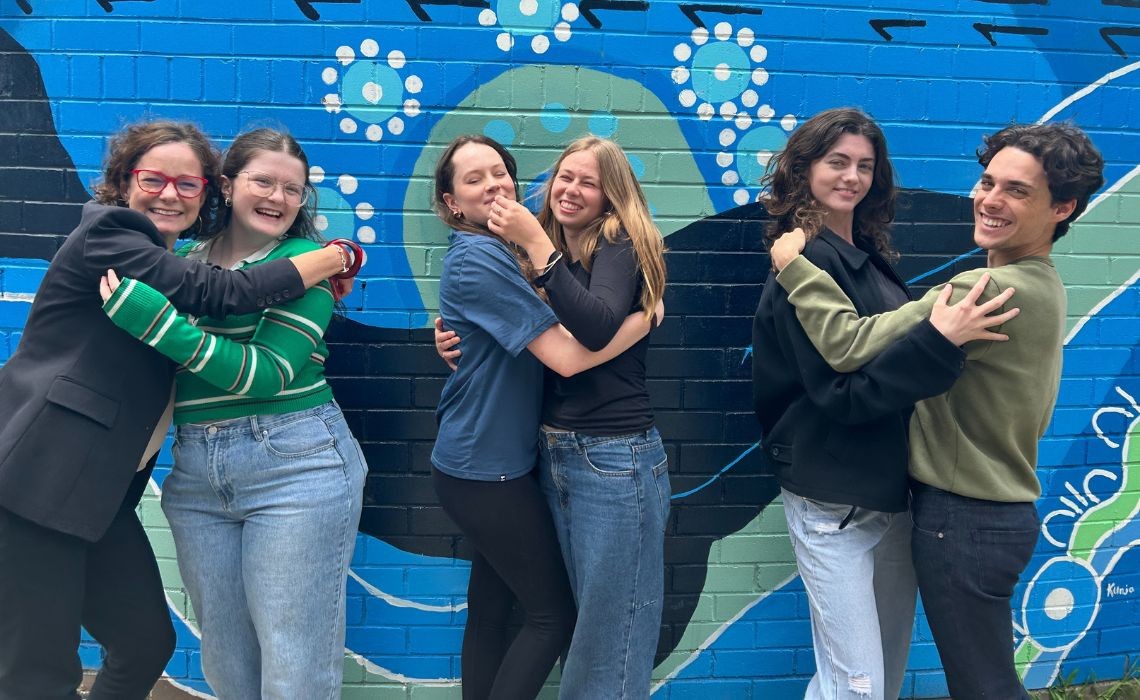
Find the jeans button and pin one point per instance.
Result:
(940, 535)
(212, 430)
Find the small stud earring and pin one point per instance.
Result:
(229, 202)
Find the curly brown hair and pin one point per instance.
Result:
(134, 140)
(1073, 166)
(789, 200)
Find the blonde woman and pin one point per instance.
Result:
(602, 464)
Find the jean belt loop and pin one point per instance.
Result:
(255, 428)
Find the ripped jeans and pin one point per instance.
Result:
(861, 591)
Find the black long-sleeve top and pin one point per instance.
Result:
(610, 399)
(842, 438)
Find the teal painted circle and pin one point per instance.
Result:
(555, 118)
(513, 15)
(704, 71)
(391, 97)
(338, 212)
(637, 164)
(501, 131)
(764, 139)
(603, 124)
(1061, 580)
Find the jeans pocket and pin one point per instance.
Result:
(305, 436)
(1001, 556)
(610, 458)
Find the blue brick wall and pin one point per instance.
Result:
(536, 74)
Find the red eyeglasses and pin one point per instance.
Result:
(155, 181)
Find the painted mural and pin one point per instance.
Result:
(700, 95)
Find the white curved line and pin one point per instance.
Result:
(377, 670)
(1084, 92)
(716, 635)
(1103, 303)
(402, 603)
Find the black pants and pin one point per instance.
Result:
(968, 555)
(51, 583)
(516, 556)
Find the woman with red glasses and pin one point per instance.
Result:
(84, 408)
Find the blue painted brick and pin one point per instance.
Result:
(704, 689)
(21, 280)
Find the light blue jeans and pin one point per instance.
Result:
(264, 512)
(861, 591)
(610, 500)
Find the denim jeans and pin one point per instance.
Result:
(861, 592)
(610, 501)
(968, 555)
(264, 512)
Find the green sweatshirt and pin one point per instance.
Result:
(243, 365)
(980, 438)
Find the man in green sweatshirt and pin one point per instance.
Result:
(973, 450)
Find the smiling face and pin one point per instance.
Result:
(1014, 213)
(576, 197)
(480, 176)
(264, 216)
(170, 213)
(841, 178)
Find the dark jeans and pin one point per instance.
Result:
(515, 556)
(968, 555)
(52, 583)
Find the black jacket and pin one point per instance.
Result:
(80, 398)
(842, 438)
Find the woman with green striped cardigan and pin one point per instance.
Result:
(265, 495)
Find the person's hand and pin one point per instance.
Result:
(968, 320)
(341, 286)
(514, 222)
(445, 340)
(108, 283)
(786, 247)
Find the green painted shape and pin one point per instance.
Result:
(1122, 507)
(731, 586)
(1101, 252)
(1024, 655)
(672, 182)
(158, 532)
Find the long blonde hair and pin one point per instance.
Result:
(627, 211)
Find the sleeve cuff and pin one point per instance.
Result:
(797, 272)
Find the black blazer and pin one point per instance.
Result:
(842, 438)
(80, 398)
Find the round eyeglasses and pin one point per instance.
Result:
(155, 181)
(261, 185)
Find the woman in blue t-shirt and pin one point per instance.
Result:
(485, 454)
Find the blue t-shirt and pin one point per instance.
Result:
(489, 411)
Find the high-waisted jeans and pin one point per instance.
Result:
(264, 511)
(856, 569)
(610, 499)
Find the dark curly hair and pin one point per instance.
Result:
(244, 149)
(789, 200)
(1073, 166)
(129, 145)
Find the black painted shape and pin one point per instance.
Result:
(881, 25)
(988, 30)
(587, 8)
(307, 9)
(418, 6)
(107, 5)
(1121, 3)
(23, 5)
(690, 10)
(40, 192)
(1107, 33)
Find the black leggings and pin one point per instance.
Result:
(51, 583)
(515, 556)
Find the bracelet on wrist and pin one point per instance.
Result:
(352, 257)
